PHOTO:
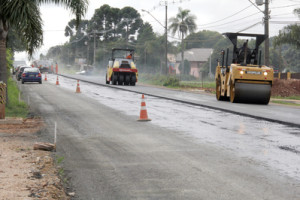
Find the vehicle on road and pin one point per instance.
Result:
(20, 71)
(16, 64)
(121, 68)
(246, 80)
(31, 75)
(44, 65)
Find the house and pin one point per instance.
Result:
(196, 57)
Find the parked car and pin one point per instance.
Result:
(31, 75)
(20, 71)
(16, 64)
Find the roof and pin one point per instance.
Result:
(196, 55)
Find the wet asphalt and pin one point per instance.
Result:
(185, 152)
(272, 112)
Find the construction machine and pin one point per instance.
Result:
(245, 80)
(121, 68)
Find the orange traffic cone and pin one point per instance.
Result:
(46, 77)
(78, 87)
(57, 81)
(143, 112)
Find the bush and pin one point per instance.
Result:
(172, 81)
(157, 79)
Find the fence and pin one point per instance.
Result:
(287, 75)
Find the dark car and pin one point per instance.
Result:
(20, 71)
(31, 75)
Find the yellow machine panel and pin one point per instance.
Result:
(245, 80)
(121, 68)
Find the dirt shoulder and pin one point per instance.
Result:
(26, 173)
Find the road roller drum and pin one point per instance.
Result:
(252, 93)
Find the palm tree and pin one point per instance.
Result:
(25, 17)
(183, 23)
(290, 34)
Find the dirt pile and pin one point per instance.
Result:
(286, 88)
(26, 173)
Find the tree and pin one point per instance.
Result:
(14, 42)
(187, 67)
(78, 38)
(144, 38)
(130, 22)
(290, 34)
(202, 39)
(183, 23)
(26, 16)
(104, 20)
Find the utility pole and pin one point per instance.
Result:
(94, 61)
(166, 35)
(87, 51)
(210, 75)
(266, 20)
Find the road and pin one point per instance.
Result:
(109, 155)
(271, 112)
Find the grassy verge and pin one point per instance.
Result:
(198, 84)
(174, 82)
(285, 103)
(207, 85)
(14, 108)
(291, 97)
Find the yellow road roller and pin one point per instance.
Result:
(121, 68)
(245, 80)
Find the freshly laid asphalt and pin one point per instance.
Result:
(275, 113)
(109, 155)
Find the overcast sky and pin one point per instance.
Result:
(213, 15)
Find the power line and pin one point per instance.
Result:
(285, 22)
(232, 21)
(227, 16)
(249, 27)
(256, 6)
(283, 17)
(202, 27)
(283, 14)
(285, 6)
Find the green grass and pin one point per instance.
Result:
(285, 103)
(14, 108)
(198, 84)
(173, 81)
(156, 79)
(59, 159)
(291, 97)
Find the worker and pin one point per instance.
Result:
(56, 68)
(129, 56)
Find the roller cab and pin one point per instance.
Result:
(245, 80)
(121, 68)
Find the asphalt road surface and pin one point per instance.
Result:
(271, 112)
(109, 155)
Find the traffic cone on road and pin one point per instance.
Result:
(46, 77)
(78, 87)
(143, 112)
(57, 81)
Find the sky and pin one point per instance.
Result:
(216, 15)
